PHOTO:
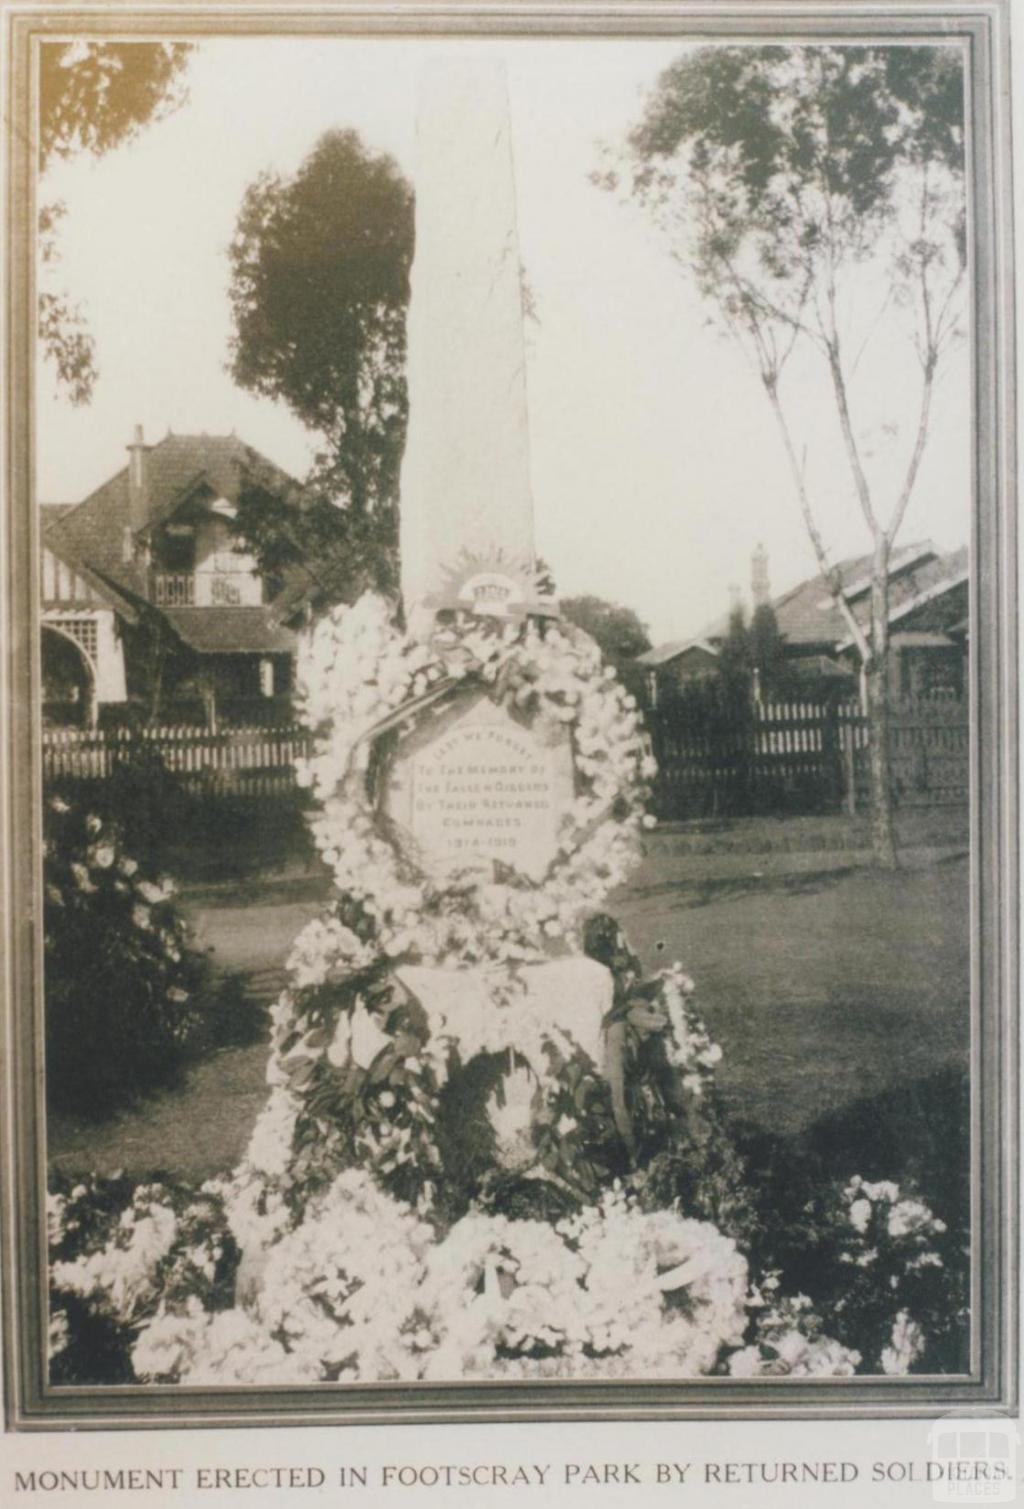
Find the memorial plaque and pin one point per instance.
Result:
(478, 786)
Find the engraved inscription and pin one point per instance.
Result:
(483, 788)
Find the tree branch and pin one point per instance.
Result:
(850, 439)
(829, 572)
(918, 451)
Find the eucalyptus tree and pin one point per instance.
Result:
(793, 182)
(319, 291)
(93, 97)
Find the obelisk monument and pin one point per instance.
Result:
(465, 484)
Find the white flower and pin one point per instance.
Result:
(340, 1045)
(797, 1356)
(910, 1217)
(124, 1272)
(883, 1189)
(269, 1147)
(103, 856)
(906, 1345)
(57, 1334)
(859, 1214)
(746, 1363)
(367, 1038)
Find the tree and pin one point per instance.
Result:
(791, 182)
(735, 668)
(767, 652)
(93, 97)
(618, 631)
(319, 291)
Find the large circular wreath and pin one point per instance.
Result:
(359, 672)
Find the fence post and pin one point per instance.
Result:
(850, 765)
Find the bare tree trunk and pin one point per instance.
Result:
(883, 833)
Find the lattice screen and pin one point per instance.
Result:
(83, 632)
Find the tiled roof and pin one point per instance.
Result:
(661, 654)
(927, 578)
(93, 532)
(228, 631)
(98, 585)
(808, 617)
(49, 513)
(807, 614)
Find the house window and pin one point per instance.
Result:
(178, 548)
(225, 592)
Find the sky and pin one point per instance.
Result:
(655, 461)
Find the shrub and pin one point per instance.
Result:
(127, 997)
(120, 1250)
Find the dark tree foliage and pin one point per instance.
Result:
(735, 663)
(308, 539)
(93, 96)
(618, 630)
(319, 291)
(768, 652)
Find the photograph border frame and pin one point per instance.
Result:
(33, 1404)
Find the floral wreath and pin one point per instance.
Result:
(360, 676)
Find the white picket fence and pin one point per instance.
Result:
(235, 761)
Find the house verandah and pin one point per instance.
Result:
(82, 623)
(106, 661)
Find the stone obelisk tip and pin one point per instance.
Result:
(465, 485)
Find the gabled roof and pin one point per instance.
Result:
(230, 631)
(661, 654)
(912, 589)
(94, 531)
(97, 584)
(807, 615)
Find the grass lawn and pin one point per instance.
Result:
(839, 996)
(823, 986)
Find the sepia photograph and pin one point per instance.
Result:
(511, 710)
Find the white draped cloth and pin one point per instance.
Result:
(489, 1009)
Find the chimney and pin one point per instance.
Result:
(138, 490)
(760, 591)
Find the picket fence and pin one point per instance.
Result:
(231, 761)
(805, 757)
(788, 757)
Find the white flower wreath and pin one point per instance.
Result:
(356, 668)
